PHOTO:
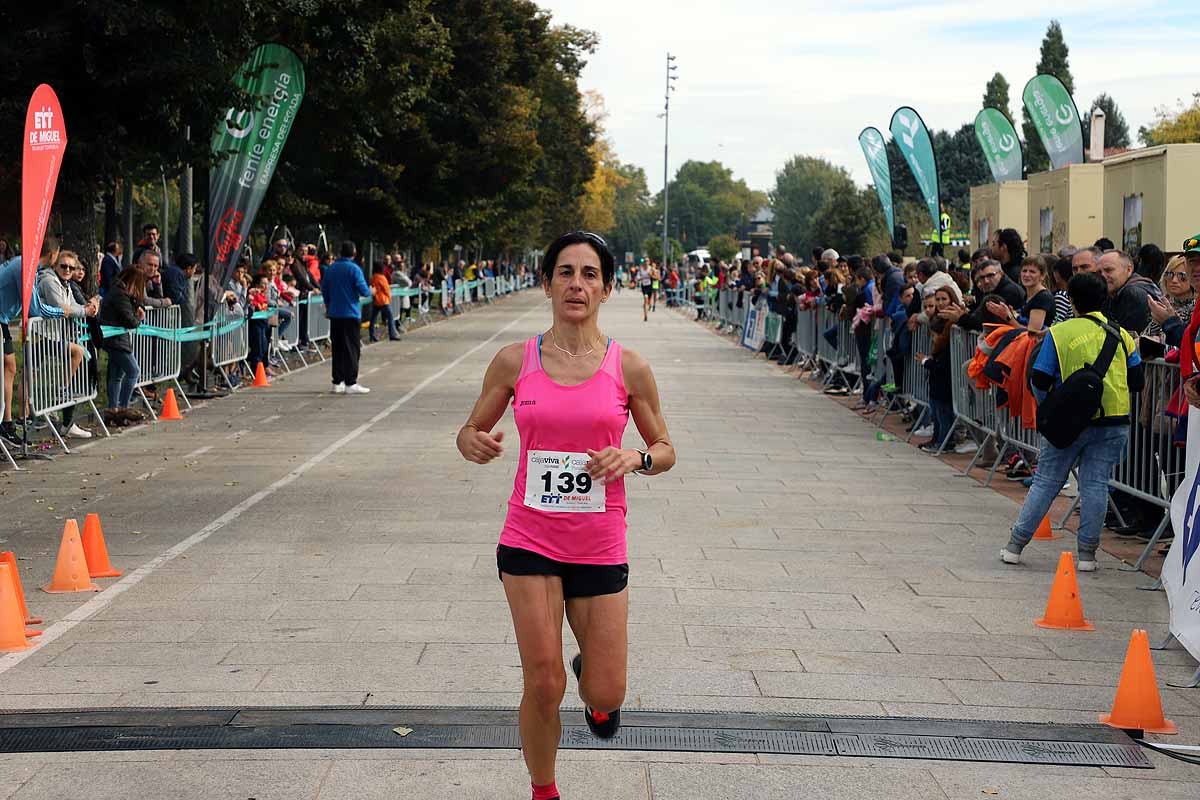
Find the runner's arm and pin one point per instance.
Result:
(647, 415)
(475, 439)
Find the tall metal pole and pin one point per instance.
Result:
(666, 160)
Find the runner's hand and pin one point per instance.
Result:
(480, 446)
(612, 463)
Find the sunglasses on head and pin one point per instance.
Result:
(593, 237)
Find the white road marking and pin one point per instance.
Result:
(105, 599)
(199, 451)
(145, 476)
(373, 370)
(237, 434)
(271, 418)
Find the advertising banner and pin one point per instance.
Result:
(917, 148)
(875, 149)
(754, 332)
(1001, 149)
(1181, 569)
(247, 146)
(45, 141)
(1056, 118)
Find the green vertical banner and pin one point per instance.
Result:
(1056, 118)
(246, 148)
(875, 149)
(912, 137)
(1001, 148)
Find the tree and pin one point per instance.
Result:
(1182, 125)
(1116, 129)
(961, 165)
(652, 247)
(845, 217)
(633, 216)
(706, 200)
(1053, 61)
(801, 187)
(722, 247)
(996, 95)
(126, 106)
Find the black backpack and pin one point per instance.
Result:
(1069, 407)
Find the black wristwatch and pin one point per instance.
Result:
(647, 462)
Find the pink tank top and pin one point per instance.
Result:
(573, 419)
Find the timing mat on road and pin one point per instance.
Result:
(425, 727)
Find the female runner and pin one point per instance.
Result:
(563, 545)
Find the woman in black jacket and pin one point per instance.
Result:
(122, 308)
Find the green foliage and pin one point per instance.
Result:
(845, 218)
(706, 200)
(633, 214)
(961, 165)
(1174, 127)
(652, 247)
(722, 247)
(1054, 62)
(996, 95)
(801, 188)
(424, 121)
(1116, 129)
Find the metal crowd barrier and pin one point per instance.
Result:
(975, 408)
(159, 360)
(233, 346)
(3, 446)
(1153, 466)
(52, 386)
(318, 323)
(806, 335)
(773, 333)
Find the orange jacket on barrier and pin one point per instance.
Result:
(1002, 360)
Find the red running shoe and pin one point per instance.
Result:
(603, 726)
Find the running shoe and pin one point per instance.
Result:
(1087, 565)
(965, 447)
(924, 430)
(602, 726)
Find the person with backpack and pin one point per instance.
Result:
(1082, 377)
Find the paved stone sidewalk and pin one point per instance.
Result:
(790, 563)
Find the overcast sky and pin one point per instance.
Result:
(764, 80)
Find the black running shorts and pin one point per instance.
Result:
(648, 291)
(578, 580)
(8, 342)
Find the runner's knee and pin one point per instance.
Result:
(546, 683)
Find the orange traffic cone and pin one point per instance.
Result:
(10, 558)
(1043, 531)
(12, 627)
(260, 376)
(1137, 705)
(170, 409)
(94, 550)
(1064, 609)
(71, 572)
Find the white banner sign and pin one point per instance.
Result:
(754, 333)
(1181, 570)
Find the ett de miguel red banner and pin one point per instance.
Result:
(45, 142)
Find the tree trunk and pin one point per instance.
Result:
(77, 205)
(112, 228)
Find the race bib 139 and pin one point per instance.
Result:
(557, 481)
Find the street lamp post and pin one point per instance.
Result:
(666, 149)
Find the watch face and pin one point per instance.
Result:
(647, 462)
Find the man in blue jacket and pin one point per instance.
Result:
(342, 287)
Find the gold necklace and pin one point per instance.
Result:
(554, 342)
